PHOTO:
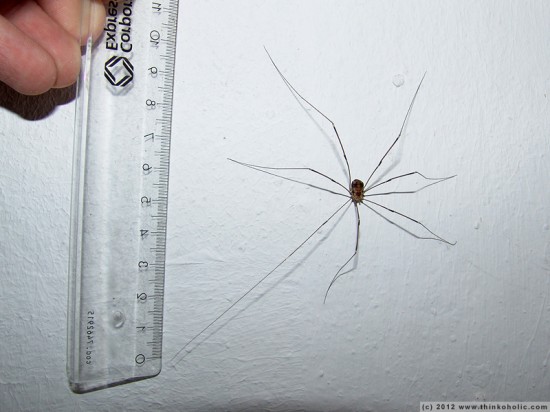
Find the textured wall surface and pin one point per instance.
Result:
(415, 319)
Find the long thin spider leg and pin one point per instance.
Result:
(291, 87)
(298, 181)
(338, 274)
(436, 237)
(257, 283)
(391, 222)
(401, 192)
(435, 179)
(261, 169)
(400, 131)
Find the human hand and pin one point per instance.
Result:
(40, 42)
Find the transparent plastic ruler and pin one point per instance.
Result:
(120, 195)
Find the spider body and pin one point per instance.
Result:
(357, 191)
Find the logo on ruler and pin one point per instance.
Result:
(119, 71)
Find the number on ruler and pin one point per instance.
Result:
(154, 38)
(147, 168)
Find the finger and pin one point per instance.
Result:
(95, 19)
(64, 49)
(26, 66)
(68, 14)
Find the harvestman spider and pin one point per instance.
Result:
(356, 193)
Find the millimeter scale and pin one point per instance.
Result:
(120, 195)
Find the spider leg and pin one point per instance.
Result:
(295, 92)
(265, 169)
(258, 283)
(410, 219)
(400, 131)
(340, 273)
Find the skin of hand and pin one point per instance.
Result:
(40, 42)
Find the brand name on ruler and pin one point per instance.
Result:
(119, 15)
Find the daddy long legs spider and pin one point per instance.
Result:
(356, 192)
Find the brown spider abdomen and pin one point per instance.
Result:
(357, 191)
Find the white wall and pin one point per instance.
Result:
(416, 320)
